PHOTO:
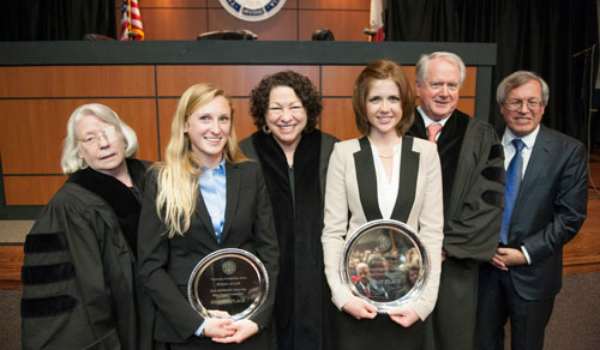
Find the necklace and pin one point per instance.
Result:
(382, 156)
(395, 150)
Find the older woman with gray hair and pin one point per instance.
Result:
(79, 274)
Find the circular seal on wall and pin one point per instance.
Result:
(252, 10)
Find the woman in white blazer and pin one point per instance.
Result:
(383, 175)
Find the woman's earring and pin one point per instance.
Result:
(266, 129)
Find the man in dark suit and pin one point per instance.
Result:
(546, 205)
(367, 286)
(473, 176)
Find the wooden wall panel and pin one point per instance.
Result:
(336, 4)
(345, 25)
(468, 87)
(166, 110)
(467, 105)
(235, 80)
(338, 118)
(99, 81)
(31, 190)
(173, 23)
(339, 80)
(411, 73)
(243, 122)
(11, 261)
(36, 129)
(283, 26)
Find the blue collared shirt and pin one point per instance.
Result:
(213, 186)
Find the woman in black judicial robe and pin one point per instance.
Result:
(79, 275)
(294, 157)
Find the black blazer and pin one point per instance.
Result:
(166, 264)
(550, 209)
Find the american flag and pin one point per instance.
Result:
(131, 21)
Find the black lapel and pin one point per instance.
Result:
(409, 171)
(120, 198)
(233, 190)
(202, 213)
(367, 180)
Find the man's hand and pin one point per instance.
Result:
(506, 257)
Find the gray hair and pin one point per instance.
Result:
(70, 161)
(423, 64)
(517, 79)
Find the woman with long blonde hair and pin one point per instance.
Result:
(204, 197)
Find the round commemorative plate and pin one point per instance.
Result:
(385, 263)
(228, 283)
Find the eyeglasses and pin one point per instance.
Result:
(516, 105)
(94, 139)
(278, 111)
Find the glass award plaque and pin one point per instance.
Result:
(385, 263)
(228, 283)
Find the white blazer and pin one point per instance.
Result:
(352, 188)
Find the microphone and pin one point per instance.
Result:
(369, 32)
(585, 51)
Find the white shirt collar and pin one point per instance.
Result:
(428, 121)
(528, 140)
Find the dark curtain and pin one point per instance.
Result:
(44, 20)
(536, 35)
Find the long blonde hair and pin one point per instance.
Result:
(178, 188)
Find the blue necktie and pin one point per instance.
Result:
(513, 183)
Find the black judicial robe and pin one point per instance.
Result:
(80, 287)
(302, 302)
(473, 179)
